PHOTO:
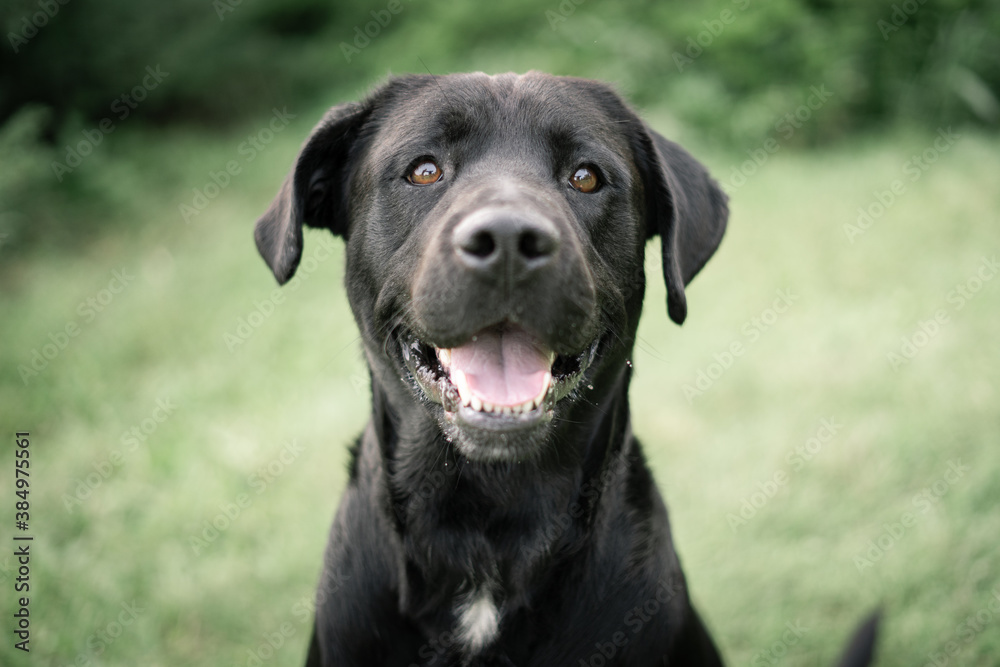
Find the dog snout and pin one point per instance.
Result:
(502, 245)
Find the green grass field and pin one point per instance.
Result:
(814, 477)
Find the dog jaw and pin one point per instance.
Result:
(484, 422)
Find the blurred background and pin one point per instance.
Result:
(189, 428)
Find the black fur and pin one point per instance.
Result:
(557, 523)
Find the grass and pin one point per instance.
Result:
(127, 538)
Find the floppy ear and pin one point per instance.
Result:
(314, 192)
(687, 208)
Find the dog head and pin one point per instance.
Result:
(495, 230)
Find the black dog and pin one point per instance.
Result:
(499, 510)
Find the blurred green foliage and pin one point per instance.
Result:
(730, 70)
(930, 60)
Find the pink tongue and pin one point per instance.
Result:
(507, 367)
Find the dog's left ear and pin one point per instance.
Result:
(686, 207)
(314, 192)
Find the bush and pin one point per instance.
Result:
(735, 71)
(728, 66)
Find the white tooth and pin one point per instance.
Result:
(507, 410)
(488, 407)
(477, 405)
(462, 384)
(527, 406)
(552, 357)
(444, 356)
(545, 389)
(516, 409)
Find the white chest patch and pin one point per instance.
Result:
(478, 621)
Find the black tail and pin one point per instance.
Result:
(860, 651)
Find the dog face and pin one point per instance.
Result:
(496, 228)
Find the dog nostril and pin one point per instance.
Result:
(500, 241)
(481, 244)
(533, 244)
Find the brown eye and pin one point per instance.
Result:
(424, 173)
(585, 179)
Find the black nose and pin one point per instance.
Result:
(496, 244)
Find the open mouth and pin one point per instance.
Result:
(502, 378)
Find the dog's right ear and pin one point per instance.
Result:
(314, 192)
(686, 208)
